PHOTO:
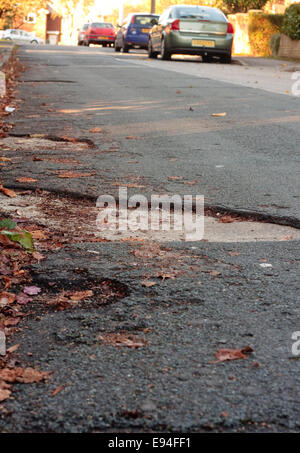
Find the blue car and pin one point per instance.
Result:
(134, 32)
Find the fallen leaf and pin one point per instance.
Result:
(219, 114)
(95, 130)
(122, 339)
(26, 180)
(56, 391)
(81, 295)
(227, 219)
(191, 183)
(223, 355)
(148, 283)
(38, 256)
(7, 192)
(12, 349)
(31, 290)
(72, 174)
(38, 234)
(6, 298)
(23, 299)
(24, 375)
(174, 178)
(133, 137)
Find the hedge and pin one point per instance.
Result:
(291, 21)
(261, 27)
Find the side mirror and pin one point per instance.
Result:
(154, 22)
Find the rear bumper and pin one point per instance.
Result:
(183, 44)
(95, 40)
(137, 40)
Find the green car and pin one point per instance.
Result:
(192, 30)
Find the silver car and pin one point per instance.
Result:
(21, 37)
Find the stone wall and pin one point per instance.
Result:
(289, 47)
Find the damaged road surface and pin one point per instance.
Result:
(146, 332)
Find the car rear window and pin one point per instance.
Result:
(101, 25)
(144, 20)
(198, 12)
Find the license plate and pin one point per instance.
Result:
(201, 43)
(103, 37)
(145, 30)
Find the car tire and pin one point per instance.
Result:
(226, 59)
(151, 53)
(79, 43)
(125, 49)
(34, 41)
(165, 54)
(117, 48)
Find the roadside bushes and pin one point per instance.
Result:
(291, 21)
(275, 44)
(262, 27)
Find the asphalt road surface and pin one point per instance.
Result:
(157, 135)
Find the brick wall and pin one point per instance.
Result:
(289, 47)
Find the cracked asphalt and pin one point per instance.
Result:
(206, 296)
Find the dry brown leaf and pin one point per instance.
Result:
(95, 130)
(122, 339)
(191, 183)
(7, 192)
(38, 234)
(72, 174)
(6, 298)
(5, 159)
(148, 283)
(174, 178)
(227, 219)
(26, 179)
(56, 391)
(24, 375)
(219, 114)
(81, 295)
(223, 355)
(12, 349)
(133, 137)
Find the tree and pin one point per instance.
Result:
(243, 6)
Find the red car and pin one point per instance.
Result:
(100, 33)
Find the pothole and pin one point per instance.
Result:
(73, 220)
(76, 291)
(40, 142)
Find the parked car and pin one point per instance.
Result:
(193, 30)
(81, 34)
(21, 37)
(99, 33)
(134, 32)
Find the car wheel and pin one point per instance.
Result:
(117, 48)
(165, 54)
(151, 53)
(226, 59)
(34, 42)
(79, 43)
(125, 48)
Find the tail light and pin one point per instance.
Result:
(175, 25)
(133, 20)
(230, 28)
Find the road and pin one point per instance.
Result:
(155, 133)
